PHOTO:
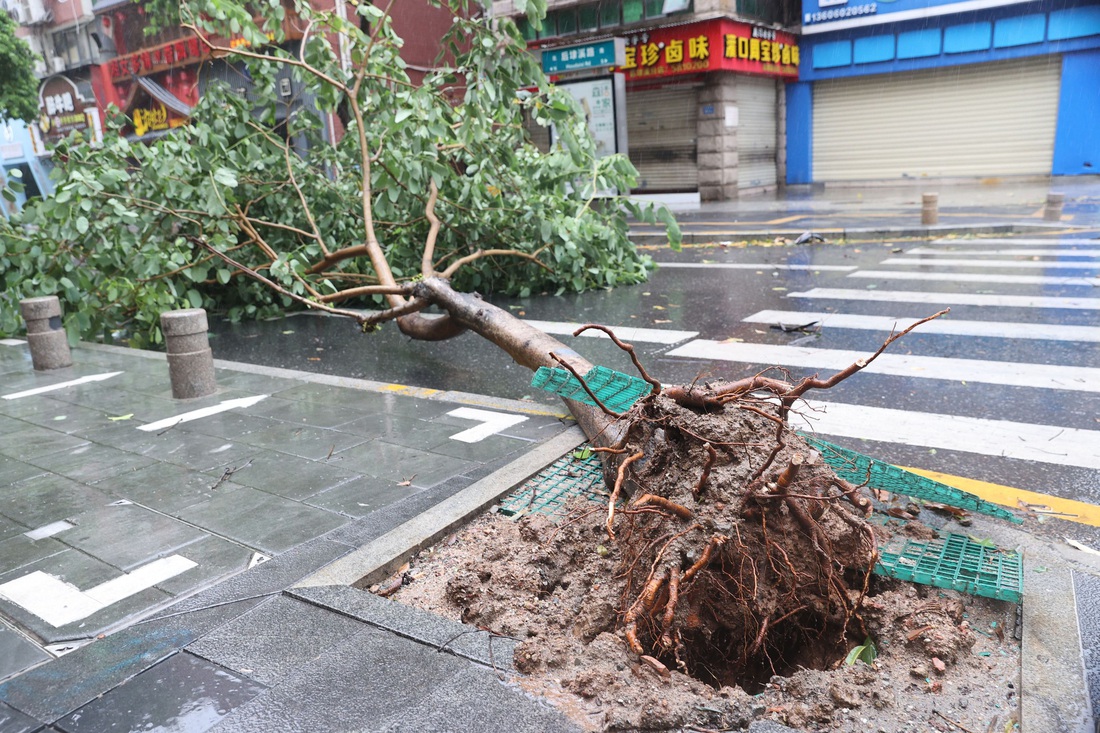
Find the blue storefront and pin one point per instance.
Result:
(933, 89)
(20, 162)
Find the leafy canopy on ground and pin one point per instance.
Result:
(138, 228)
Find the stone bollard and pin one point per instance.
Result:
(929, 209)
(190, 361)
(46, 336)
(1053, 209)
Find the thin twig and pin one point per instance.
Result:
(628, 348)
(579, 378)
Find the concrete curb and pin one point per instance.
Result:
(376, 560)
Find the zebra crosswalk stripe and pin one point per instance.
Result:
(997, 264)
(978, 299)
(995, 329)
(965, 277)
(1003, 252)
(1015, 374)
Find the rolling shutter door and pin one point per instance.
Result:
(661, 130)
(976, 120)
(756, 132)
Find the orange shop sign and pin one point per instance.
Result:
(712, 45)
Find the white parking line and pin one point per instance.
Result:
(201, 413)
(491, 423)
(1090, 282)
(949, 326)
(1025, 441)
(981, 299)
(1016, 374)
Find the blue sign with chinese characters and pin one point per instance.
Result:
(583, 57)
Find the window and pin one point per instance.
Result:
(606, 15)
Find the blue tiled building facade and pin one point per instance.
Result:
(912, 89)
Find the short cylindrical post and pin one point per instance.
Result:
(190, 361)
(1053, 209)
(45, 334)
(929, 209)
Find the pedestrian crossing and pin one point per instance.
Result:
(1037, 316)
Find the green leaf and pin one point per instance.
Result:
(121, 417)
(226, 177)
(82, 224)
(865, 652)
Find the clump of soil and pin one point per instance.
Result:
(942, 656)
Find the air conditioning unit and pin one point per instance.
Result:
(18, 14)
(57, 64)
(39, 67)
(36, 12)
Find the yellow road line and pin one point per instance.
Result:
(786, 219)
(1068, 509)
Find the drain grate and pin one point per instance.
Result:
(616, 390)
(956, 562)
(579, 473)
(853, 467)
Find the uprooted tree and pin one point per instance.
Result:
(737, 546)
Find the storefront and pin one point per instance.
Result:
(704, 106)
(901, 92)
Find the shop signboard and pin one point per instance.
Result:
(62, 110)
(711, 45)
(584, 57)
(829, 11)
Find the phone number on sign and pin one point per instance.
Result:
(839, 13)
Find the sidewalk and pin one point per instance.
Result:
(871, 212)
(261, 523)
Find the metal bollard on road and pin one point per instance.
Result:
(190, 360)
(46, 336)
(1052, 211)
(929, 209)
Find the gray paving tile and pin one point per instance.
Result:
(66, 417)
(38, 409)
(475, 700)
(8, 528)
(182, 693)
(401, 429)
(231, 424)
(399, 463)
(487, 449)
(356, 399)
(48, 498)
(378, 522)
(434, 631)
(129, 535)
(114, 399)
(16, 655)
(191, 450)
(303, 440)
(255, 383)
(19, 551)
(12, 470)
(84, 572)
(303, 413)
(290, 476)
(10, 424)
(275, 639)
(38, 441)
(91, 463)
(264, 521)
(362, 496)
(56, 689)
(217, 558)
(369, 676)
(161, 486)
(13, 721)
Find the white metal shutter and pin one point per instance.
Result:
(976, 120)
(756, 132)
(661, 133)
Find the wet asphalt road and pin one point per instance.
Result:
(713, 302)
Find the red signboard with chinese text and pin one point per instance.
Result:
(711, 45)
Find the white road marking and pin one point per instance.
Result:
(997, 264)
(48, 530)
(1054, 242)
(12, 342)
(59, 603)
(763, 266)
(623, 333)
(199, 414)
(1003, 252)
(1024, 441)
(61, 385)
(1076, 379)
(950, 326)
(982, 299)
(1091, 282)
(491, 423)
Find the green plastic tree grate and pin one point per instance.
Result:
(956, 562)
(853, 467)
(548, 491)
(616, 390)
